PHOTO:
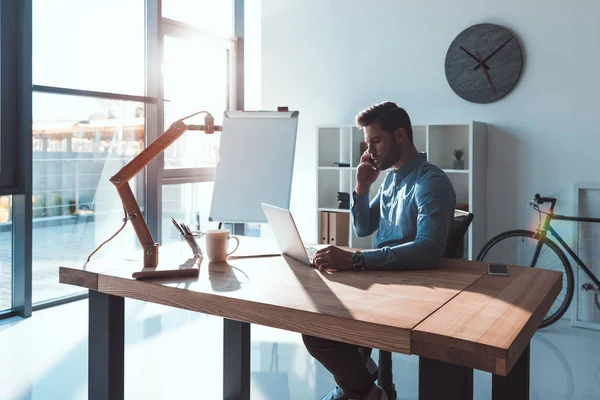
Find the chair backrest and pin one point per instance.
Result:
(455, 243)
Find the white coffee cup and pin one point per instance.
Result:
(217, 242)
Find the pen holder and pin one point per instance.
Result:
(190, 243)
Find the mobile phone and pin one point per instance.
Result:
(498, 269)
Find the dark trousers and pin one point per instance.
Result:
(346, 362)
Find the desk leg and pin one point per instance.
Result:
(106, 347)
(385, 378)
(236, 360)
(441, 380)
(515, 386)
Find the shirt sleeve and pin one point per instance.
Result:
(436, 201)
(365, 215)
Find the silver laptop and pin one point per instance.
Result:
(286, 233)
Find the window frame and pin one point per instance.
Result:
(21, 13)
(11, 59)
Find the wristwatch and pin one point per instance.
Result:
(358, 261)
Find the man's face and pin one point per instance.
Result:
(384, 147)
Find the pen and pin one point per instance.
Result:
(177, 226)
(191, 237)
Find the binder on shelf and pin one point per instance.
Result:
(324, 228)
(339, 228)
(334, 228)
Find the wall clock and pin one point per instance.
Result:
(483, 63)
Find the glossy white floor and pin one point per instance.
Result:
(173, 354)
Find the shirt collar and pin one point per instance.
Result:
(408, 167)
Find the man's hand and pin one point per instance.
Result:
(366, 174)
(333, 258)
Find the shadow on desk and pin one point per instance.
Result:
(223, 277)
(324, 299)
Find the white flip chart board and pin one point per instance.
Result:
(256, 163)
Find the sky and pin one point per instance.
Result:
(99, 45)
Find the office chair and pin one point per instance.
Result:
(454, 249)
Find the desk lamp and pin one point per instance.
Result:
(121, 180)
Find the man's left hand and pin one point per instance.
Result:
(333, 258)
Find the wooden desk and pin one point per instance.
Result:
(456, 317)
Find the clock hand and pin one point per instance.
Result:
(472, 56)
(475, 68)
(487, 75)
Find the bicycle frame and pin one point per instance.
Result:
(545, 227)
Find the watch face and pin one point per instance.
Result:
(357, 258)
(483, 63)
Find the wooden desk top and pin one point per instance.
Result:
(440, 313)
(488, 324)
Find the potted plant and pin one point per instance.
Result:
(459, 163)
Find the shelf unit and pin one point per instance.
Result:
(341, 143)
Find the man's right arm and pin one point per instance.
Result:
(365, 216)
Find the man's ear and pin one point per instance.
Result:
(400, 135)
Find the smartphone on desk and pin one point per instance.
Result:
(498, 269)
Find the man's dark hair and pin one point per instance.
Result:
(388, 115)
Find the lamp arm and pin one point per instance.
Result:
(146, 156)
(121, 181)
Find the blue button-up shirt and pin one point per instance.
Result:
(412, 214)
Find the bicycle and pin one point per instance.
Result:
(527, 248)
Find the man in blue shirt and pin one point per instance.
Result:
(411, 213)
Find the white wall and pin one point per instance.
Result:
(330, 59)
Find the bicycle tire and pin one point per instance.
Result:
(551, 318)
(597, 299)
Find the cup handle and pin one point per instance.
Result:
(236, 246)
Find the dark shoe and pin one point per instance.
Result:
(338, 393)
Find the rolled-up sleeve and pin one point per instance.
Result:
(365, 215)
(436, 201)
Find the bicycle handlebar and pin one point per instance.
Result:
(541, 200)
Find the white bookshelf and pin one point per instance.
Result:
(342, 144)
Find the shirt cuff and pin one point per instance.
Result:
(362, 199)
(374, 258)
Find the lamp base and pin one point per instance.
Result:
(190, 269)
(151, 256)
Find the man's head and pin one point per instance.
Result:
(388, 133)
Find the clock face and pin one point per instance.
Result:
(483, 63)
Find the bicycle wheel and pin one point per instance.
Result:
(517, 248)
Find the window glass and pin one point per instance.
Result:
(196, 79)
(89, 45)
(78, 144)
(5, 252)
(211, 16)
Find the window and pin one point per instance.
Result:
(88, 60)
(196, 78)
(89, 45)
(78, 144)
(211, 16)
(188, 203)
(5, 252)
(199, 75)
(91, 96)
